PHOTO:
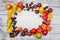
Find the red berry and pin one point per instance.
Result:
(50, 10)
(44, 17)
(44, 32)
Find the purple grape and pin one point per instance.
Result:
(35, 6)
(22, 34)
(36, 11)
(31, 4)
(39, 4)
(50, 10)
(11, 34)
(26, 5)
(25, 30)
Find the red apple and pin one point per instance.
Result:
(33, 31)
(44, 32)
(20, 4)
(8, 6)
(39, 29)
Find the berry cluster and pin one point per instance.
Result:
(43, 29)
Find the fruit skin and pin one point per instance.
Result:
(50, 10)
(49, 28)
(14, 8)
(33, 31)
(41, 10)
(25, 30)
(39, 4)
(9, 16)
(45, 12)
(19, 9)
(38, 35)
(44, 32)
(29, 33)
(9, 12)
(39, 30)
(19, 28)
(50, 15)
(44, 17)
(20, 4)
(36, 11)
(22, 33)
(9, 22)
(35, 6)
(44, 26)
(8, 6)
(10, 30)
(47, 22)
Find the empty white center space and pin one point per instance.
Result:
(28, 19)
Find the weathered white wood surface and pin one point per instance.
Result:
(53, 35)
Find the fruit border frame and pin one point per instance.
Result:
(42, 30)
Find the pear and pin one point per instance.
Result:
(9, 22)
